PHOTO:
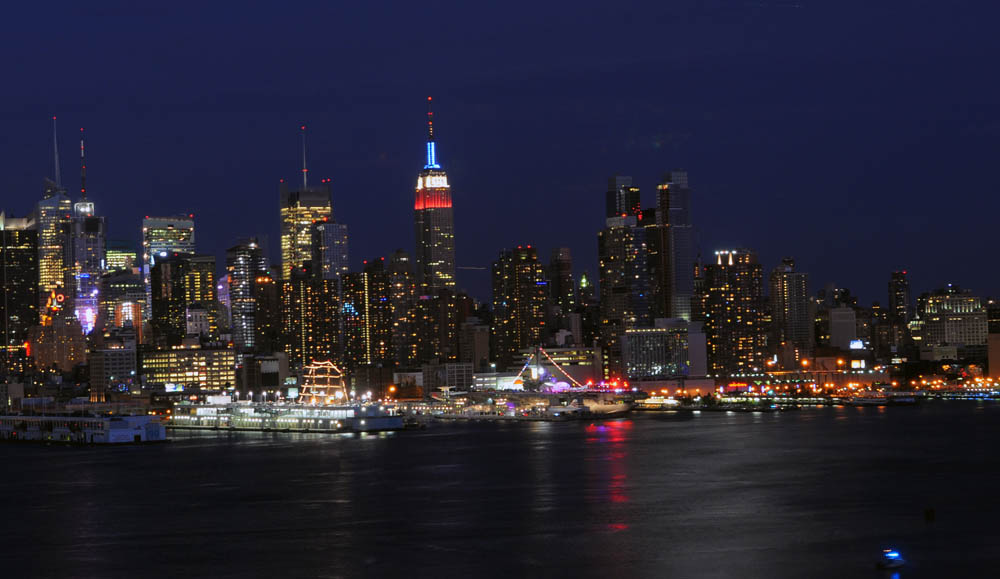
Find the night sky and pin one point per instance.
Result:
(857, 136)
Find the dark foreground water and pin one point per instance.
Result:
(815, 493)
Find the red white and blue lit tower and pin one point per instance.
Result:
(434, 222)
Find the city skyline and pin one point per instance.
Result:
(821, 142)
(479, 288)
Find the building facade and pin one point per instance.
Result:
(520, 296)
(19, 274)
(734, 317)
(434, 222)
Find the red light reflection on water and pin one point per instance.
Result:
(609, 440)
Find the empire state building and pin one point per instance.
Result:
(433, 221)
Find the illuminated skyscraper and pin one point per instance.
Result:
(85, 253)
(520, 295)
(733, 313)
(402, 300)
(300, 210)
(792, 321)
(161, 237)
(331, 258)
(562, 290)
(19, 274)
(309, 316)
(367, 314)
(52, 217)
(182, 283)
(245, 262)
(675, 281)
(434, 223)
(625, 298)
(899, 298)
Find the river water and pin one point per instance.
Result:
(814, 493)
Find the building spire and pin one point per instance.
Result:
(305, 171)
(55, 149)
(431, 149)
(83, 169)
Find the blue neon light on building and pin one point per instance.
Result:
(431, 157)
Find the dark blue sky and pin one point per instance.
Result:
(857, 136)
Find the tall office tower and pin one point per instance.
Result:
(520, 294)
(182, 283)
(674, 239)
(625, 292)
(561, 280)
(330, 255)
(622, 198)
(163, 236)
(368, 318)
(899, 297)
(267, 323)
(434, 223)
(52, 216)
(119, 256)
(85, 253)
(19, 274)
(245, 262)
(402, 299)
(309, 318)
(792, 323)
(300, 210)
(733, 313)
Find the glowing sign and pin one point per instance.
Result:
(857, 345)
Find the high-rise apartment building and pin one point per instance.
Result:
(367, 316)
(268, 337)
(561, 287)
(734, 300)
(310, 310)
(520, 295)
(625, 288)
(434, 222)
(245, 262)
(402, 300)
(792, 321)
